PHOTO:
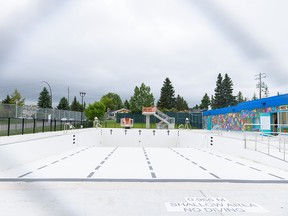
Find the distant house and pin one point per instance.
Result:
(267, 114)
(111, 114)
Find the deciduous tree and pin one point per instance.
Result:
(97, 109)
(112, 101)
(142, 98)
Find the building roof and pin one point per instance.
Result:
(250, 105)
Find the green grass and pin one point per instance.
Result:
(59, 127)
(114, 124)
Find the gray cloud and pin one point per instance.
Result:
(102, 46)
(252, 49)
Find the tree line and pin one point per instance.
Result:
(142, 97)
(44, 101)
(223, 95)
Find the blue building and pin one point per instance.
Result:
(266, 114)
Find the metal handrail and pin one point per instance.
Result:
(269, 144)
(69, 126)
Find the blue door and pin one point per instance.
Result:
(209, 124)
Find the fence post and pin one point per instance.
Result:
(34, 125)
(51, 124)
(9, 121)
(43, 125)
(22, 126)
(54, 124)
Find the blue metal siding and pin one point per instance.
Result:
(250, 105)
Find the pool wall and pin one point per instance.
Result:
(18, 150)
(21, 149)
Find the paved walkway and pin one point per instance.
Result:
(142, 198)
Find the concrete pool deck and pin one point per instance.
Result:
(94, 178)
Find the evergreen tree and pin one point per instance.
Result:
(63, 104)
(196, 107)
(205, 102)
(181, 104)
(142, 98)
(254, 97)
(127, 104)
(75, 105)
(7, 100)
(16, 98)
(227, 88)
(223, 96)
(240, 97)
(44, 100)
(217, 100)
(167, 97)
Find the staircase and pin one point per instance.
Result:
(165, 120)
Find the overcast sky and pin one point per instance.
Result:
(106, 46)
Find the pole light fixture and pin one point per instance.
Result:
(82, 95)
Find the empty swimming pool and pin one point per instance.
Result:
(132, 155)
(138, 172)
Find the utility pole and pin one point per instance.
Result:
(68, 95)
(261, 85)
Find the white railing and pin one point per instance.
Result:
(164, 117)
(273, 145)
(96, 123)
(68, 126)
(268, 142)
(166, 121)
(217, 129)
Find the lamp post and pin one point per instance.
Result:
(82, 94)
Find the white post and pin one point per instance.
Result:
(147, 121)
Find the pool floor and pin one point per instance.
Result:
(154, 181)
(140, 164)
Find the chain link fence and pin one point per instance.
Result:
(195, 118)
(34, 112)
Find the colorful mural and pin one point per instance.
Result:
(238, 121)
